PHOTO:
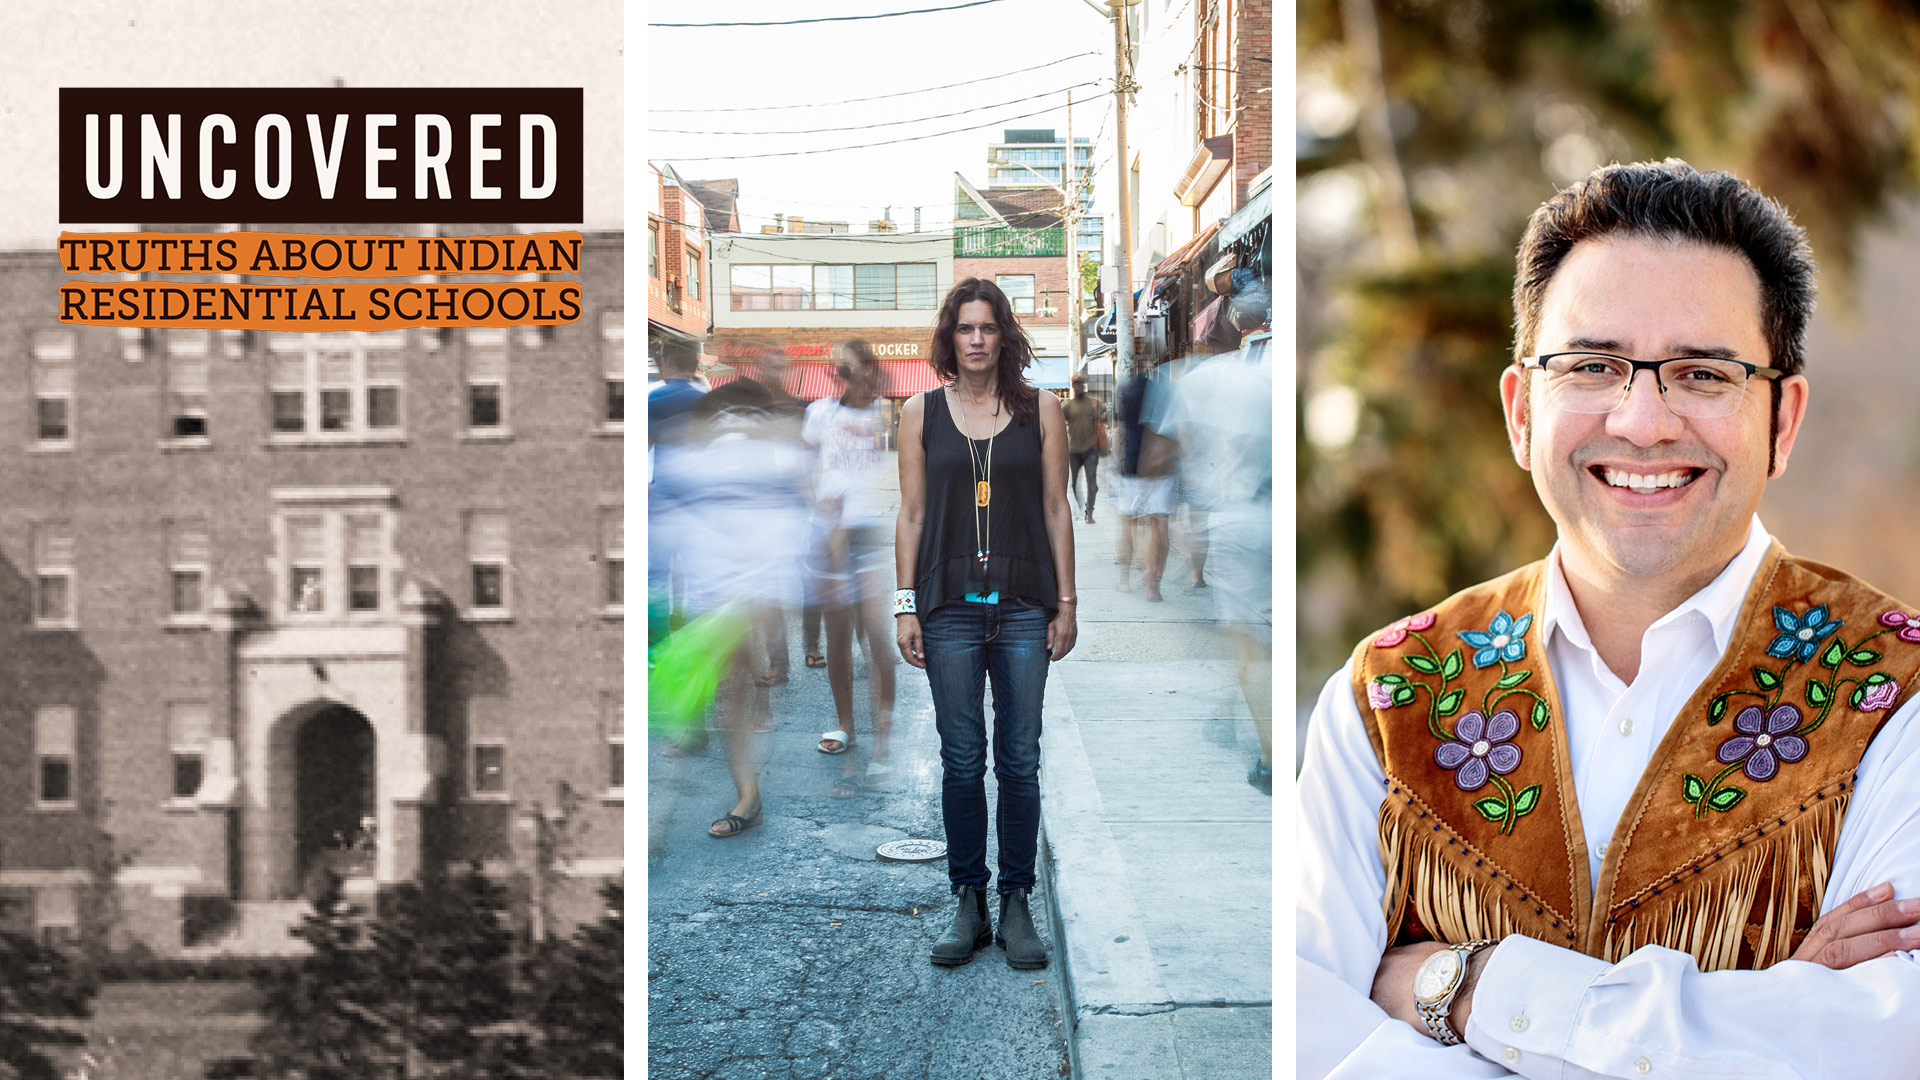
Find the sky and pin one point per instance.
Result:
(296, 43)
(755, 67)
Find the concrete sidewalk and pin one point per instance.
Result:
(1157, 850)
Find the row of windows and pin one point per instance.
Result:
(691, 263)
(332, 562)
(835, 287)
(190, 731)
(345, 386)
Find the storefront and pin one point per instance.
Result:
(813, 354)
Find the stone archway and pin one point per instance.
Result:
(334, 809)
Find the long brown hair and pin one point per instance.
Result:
(1016, 352)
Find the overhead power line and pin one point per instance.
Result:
(882, 124)
(830, 18)
(863, 146)
(884, 97)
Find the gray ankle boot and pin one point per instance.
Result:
(1017, 935)
(971, 930)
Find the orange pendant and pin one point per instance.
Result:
(982, 493)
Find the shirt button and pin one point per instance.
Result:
(1603, 848)
(1512, 1055)
(1626, 726)
(1643, 1066)
(1519, 1023)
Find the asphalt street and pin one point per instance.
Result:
(792, 951)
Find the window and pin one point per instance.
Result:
(335, 554)
(613, 724)
(1019, 290)
(915, 286)
(54, 743)
(53, 352)
(613, 363)
(873, 286)
(833, 288)
(189, 561)
(187, 378)
(489, 767)
(187, 733)
(487, 556)
(751, 287)
(337, 386)
(693, 274)
(53, 584)
(56, 916)
(613, 556)
(487, 379)
(653, 249)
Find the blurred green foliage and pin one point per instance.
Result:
(1493, 106)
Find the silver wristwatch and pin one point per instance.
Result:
(1437, 982)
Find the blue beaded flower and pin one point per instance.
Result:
(1501, 639)
(1800, 635)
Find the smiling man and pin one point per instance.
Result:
(1650, 806)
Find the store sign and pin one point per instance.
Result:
(892, 350)
(1001, 242)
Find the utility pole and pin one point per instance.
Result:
(1122, 85)
(1069, 224)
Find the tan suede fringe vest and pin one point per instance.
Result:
(1724, 849)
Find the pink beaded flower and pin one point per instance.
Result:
(1397, 633)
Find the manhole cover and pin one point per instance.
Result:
(912, 850)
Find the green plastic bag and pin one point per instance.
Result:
(687, 669)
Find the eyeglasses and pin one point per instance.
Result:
(1696, 387)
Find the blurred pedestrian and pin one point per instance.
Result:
(743, 539)
(786, 412)
(1147, 498)
(845, 433)
(671, 478)
(984, 550)
(1085, 418)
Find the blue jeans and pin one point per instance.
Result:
(967, 645)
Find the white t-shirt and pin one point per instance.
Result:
(847, 443)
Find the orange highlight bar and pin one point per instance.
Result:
(318, 308)
(318, 255)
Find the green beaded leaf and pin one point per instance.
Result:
(1524, 802)
(1512, 680)
(1853, 700)
(1878, 677)
(1492, 808)
(1817, 693)
(1693, 787)
(1450, 702)
(1862, 657)
(1453, 665)
(1830, 658)
(1726, 798)
(1539, 715)
(1718, 711)
(1402, 695)
(1768, 680)
(1390, 679)
(1422, 664)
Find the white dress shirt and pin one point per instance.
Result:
(1540, 1010)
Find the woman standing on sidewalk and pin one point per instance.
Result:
(984, 551)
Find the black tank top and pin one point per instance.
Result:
(1021, 563)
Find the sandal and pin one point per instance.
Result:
(835, 736)
(685, 749)
(814, 659)
(733, 825)
(878, 772)
(771, 678)
(845, 788)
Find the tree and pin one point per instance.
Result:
(581, 981)
(446, 951)
(39, 986)
(322, 1019)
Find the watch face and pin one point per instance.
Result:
(1437, 975)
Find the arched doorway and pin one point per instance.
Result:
(334, 808)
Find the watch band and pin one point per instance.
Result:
(1434, 1013)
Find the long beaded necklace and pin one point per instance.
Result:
(982, 487)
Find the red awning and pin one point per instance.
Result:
(904, 378)
(813, 380)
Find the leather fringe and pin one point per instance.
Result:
(1423, 880)
(1750, 903)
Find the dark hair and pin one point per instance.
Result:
(863, 355)
(1668, 200)
(1016, 352)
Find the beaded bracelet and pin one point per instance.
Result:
(903, 602)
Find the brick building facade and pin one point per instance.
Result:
(277, 603)
(679, 289)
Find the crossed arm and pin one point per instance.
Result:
(1845, 1005)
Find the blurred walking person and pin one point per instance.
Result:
(852, 592)
(1085, 420)
(984, 551)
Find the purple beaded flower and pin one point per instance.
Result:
(1480, 744)
(1764, 745)
(1878, 696)
(1909, 625)
(1379, 695)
